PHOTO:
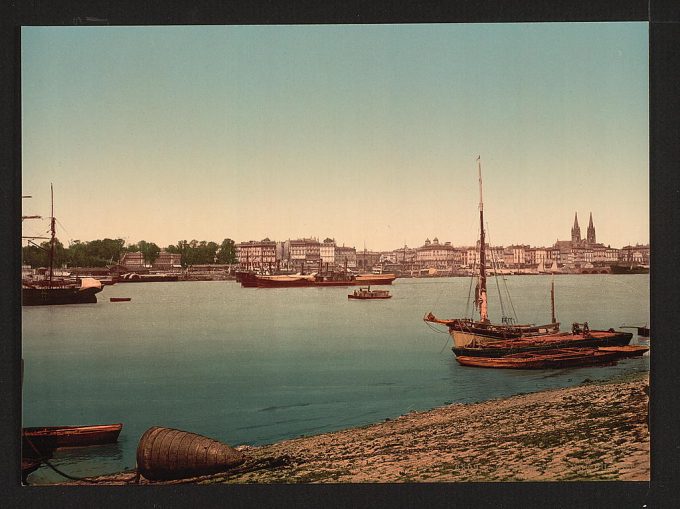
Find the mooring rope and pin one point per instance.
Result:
(48, 463)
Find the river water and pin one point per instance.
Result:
(254, 366)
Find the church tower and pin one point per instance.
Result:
(591, 231)
(576, 231)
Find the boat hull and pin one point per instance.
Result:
(58, 296)
(549, 359)
(148, 278)
(46, 439)
(464, 335)
(374, 279)
(545, 343)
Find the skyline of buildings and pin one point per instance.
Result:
(307, 253)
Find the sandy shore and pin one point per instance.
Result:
(595, 431)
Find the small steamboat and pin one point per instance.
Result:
(367, 293)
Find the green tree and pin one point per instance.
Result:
(149, 251)
(227, 252)
(38, 256)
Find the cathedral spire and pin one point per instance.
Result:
(591, 231)
(576, 231)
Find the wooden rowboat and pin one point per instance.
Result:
(42, 441)
(120, 299)
(558, 358)
(626, 351)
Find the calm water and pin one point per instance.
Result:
(253, 366)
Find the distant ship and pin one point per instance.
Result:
(51, 290)
(629, 269)
(252, 280)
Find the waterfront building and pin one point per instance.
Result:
(305, 255)
(639, 253)
(133, 260)
(346, 255)
(435, 255)
(167, 261)
(327, 252)
(256, 254)
(367, 259)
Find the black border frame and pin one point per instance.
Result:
(663, 17)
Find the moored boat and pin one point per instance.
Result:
(43, 440)
(579, 337)
(55, 292)
(554, 358)
(52, 291)
(147, 278)
(630, 268)
(374, 279)
(367, 293)
(468, 331)
(626, 350)
(285, 281)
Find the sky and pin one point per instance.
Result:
(368, 134)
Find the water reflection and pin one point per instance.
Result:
(80, 462)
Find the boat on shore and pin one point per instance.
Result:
(120, 299)
(469, 331)
(40, 442)
(367, 293)
(554, 358)
(52, 290)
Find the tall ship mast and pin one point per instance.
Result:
(470, 332)
(50, 290)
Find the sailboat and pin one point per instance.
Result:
(52, 291)
(468, 332)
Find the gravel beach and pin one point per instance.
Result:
(594, 431)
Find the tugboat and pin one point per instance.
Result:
(367, 293)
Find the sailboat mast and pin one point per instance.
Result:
(552, 299)
(483, 310)
(52, 236)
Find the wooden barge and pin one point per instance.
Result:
(582, 339)
(555, 358)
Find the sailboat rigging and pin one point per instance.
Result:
(469, 332)
(51, 291)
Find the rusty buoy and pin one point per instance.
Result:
(165, 454)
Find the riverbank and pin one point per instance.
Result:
(594, 431)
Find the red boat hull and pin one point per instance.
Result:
(48, 438)
(374, 279)
(549, 359)
(544, 343)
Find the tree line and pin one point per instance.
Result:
(100, 253)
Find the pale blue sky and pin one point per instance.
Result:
(365, 133)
